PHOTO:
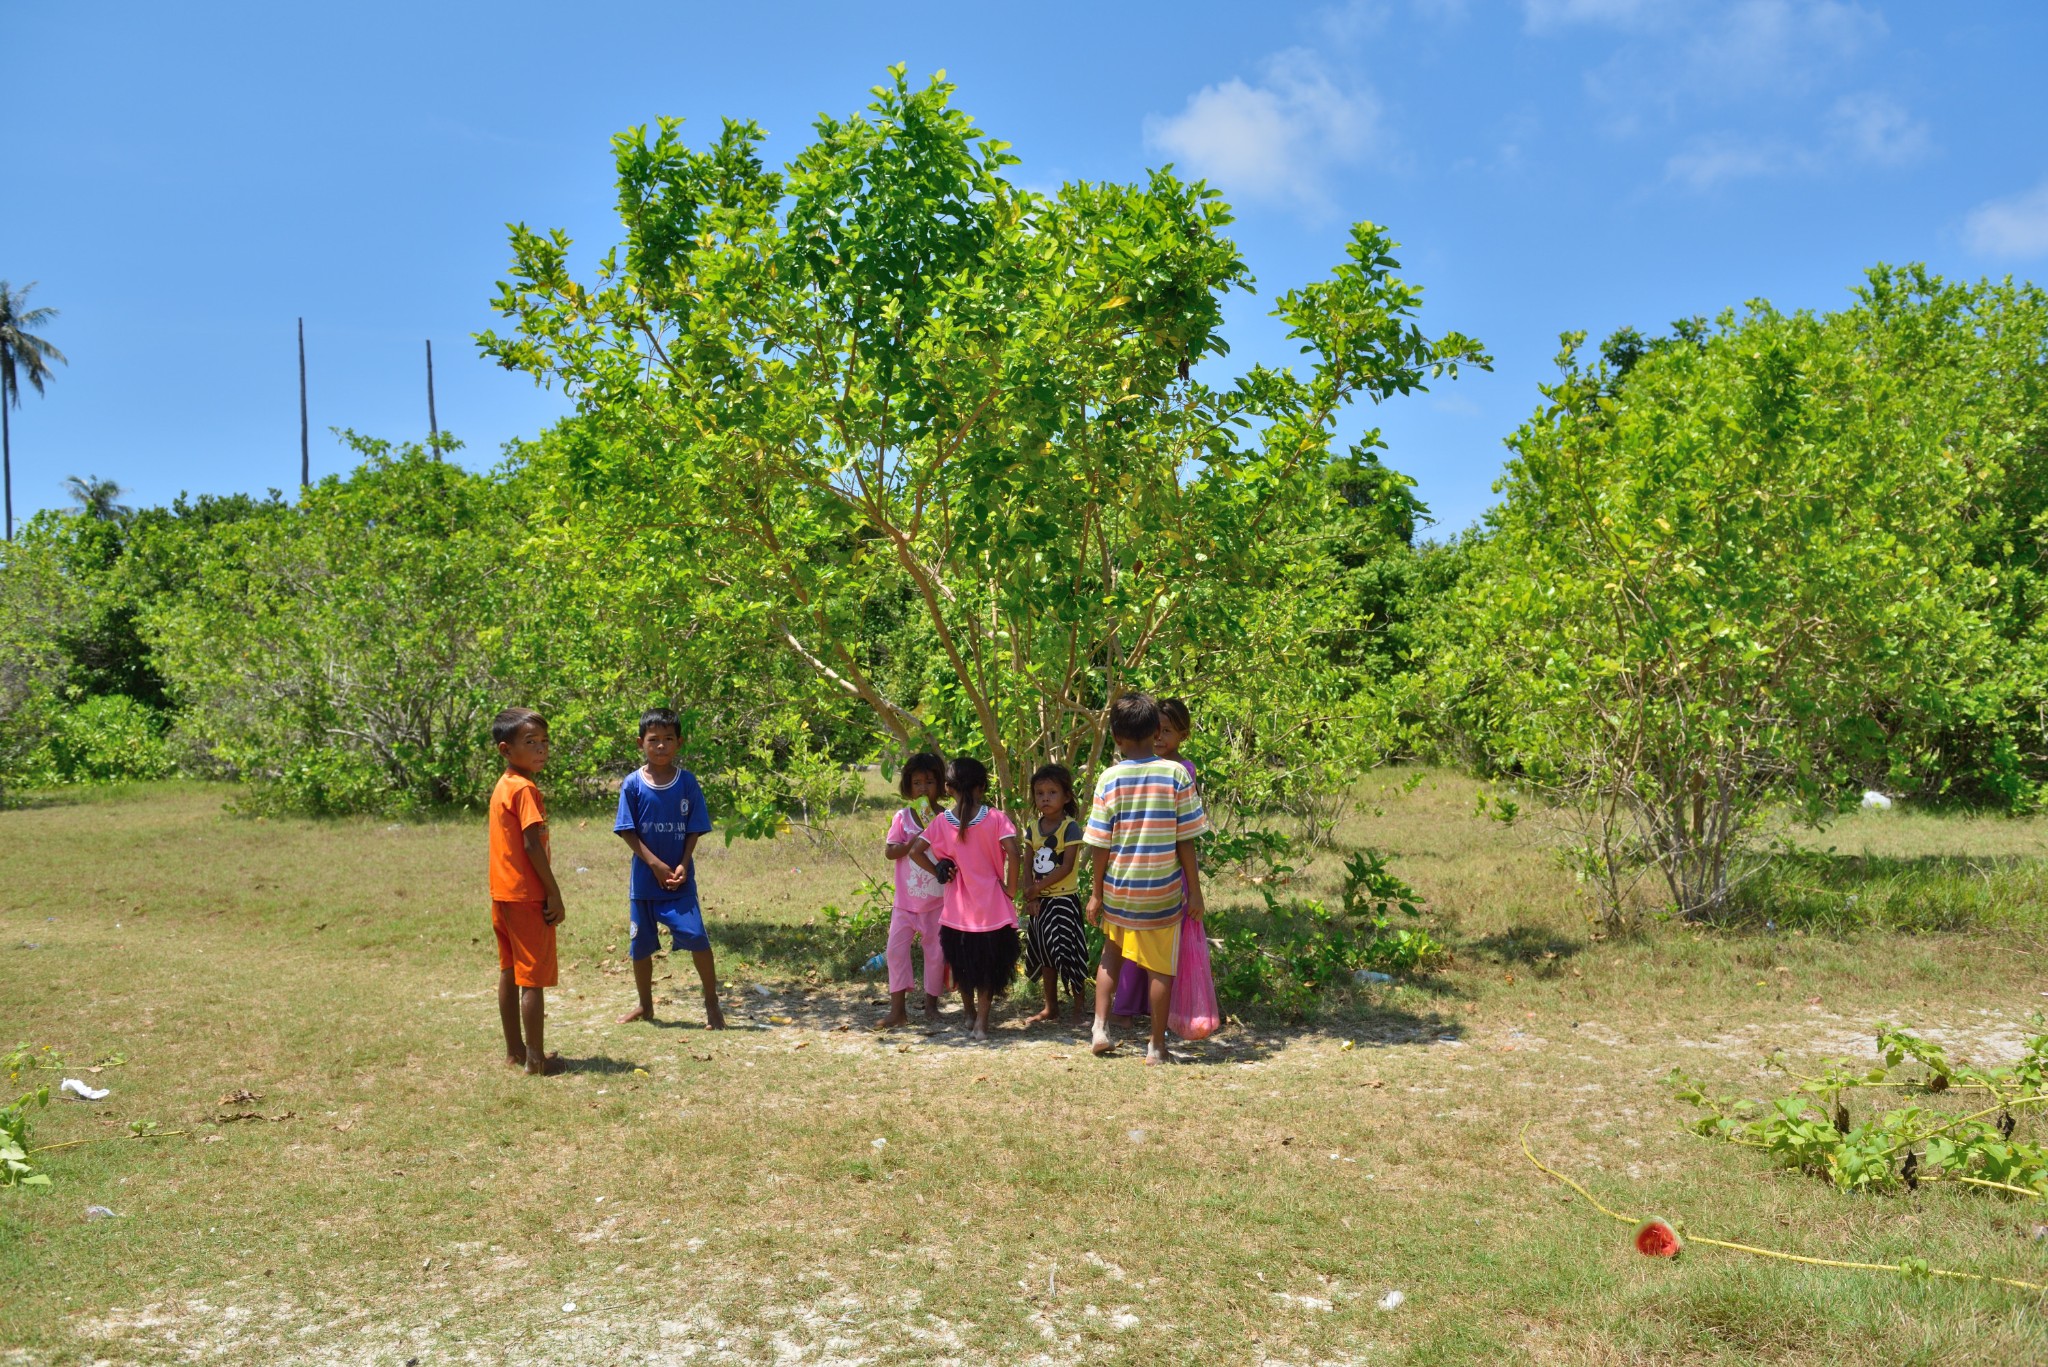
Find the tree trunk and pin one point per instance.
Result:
(7, 455)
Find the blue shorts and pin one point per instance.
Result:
(685, 922)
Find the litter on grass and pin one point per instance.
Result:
(1392, 1300)
(81, 1090)
(100, 1213)
(1874, 801)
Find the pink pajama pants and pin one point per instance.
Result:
(903, 927)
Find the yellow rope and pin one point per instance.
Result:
(104, 1138)
(1544, 1168)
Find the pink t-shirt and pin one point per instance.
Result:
(916, 890)
(976, 898)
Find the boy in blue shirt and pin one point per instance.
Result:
(661, 816)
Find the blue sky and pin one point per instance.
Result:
(196, 178)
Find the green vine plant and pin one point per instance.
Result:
(1298, 948)
(15, 1118)
(1916, 1117)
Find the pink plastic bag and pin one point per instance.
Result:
(1193, 1013)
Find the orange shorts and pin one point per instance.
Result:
(526, 943)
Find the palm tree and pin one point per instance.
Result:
(23, 356)
(97, 498)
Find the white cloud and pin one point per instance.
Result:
(1866, 130)
(1714, 160)
(1710, 54)
(1540, 15)
(1876, 130)
(2013, 227)
(1276, 139)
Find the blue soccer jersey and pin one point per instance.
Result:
(662, 817)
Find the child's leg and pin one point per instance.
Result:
(935, 980)
(532, 1015)
(984, 1002)
(1162, 998)
(707, 974)
(643, 983)
(508, 1016)
(896, 954)
(1107, 970)
(1051, 984)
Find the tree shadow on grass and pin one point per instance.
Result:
(1540, 949)
(808, 980)
(602, 1065)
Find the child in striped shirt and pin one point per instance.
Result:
(1143, 825)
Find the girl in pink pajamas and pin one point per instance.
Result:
(919, 896)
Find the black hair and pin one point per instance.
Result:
(1174, 712)
(968, 777)
(505, 726)
(1134, 716)
(1060, 774)
(923, 762)
(661, 716)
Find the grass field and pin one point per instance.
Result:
(399, 1196)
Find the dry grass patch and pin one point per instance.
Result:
(720, 1198)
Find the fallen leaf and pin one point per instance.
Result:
(241, 1096)
(803, 1044)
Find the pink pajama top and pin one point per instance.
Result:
(976, 898)
(916, 891)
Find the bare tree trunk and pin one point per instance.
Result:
(7, 455)
(433, 423)
(305, 456)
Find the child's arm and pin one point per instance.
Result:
(1096, 888)
(1191, 872)
(681, 873)
(893, 850)
(536, 837)
(662, 872)
(920, 854)
(1012, 866)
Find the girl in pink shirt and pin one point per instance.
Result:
(973, 851)
(919, 896)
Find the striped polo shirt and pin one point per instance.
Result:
(1143, 809)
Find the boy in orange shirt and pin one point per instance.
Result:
(526, 905)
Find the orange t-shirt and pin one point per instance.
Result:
(516, 803)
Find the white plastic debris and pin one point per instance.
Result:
(1137, 1136)
(1372, 975)
(568, 1307)
(878, 1143)
(100, 1213)
(763, 991)
(1392, 1300)
(81, 1090)
(1874, 801)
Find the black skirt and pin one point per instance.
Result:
(1057, 944)
(981, 960)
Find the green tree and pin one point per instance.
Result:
(1718, 584)
(99, 499)
(886, 373)
(24, 355)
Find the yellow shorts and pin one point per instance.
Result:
(1156, 950)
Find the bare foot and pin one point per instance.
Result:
(1041, 1018)
(550, 1066)
(519, 1062)
(1154, 1056)
(637, 1014)
(977, 1033)
(714, 1019)
(1102, 1043)
(892, 1020)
